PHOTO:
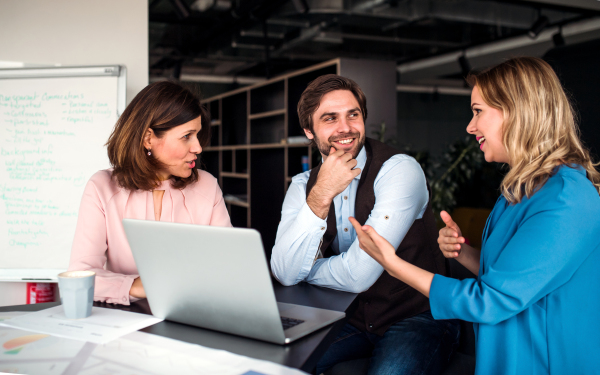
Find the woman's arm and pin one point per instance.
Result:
(451, 243)
(89, 247)
(384, 253)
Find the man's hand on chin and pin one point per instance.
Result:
(335, 175)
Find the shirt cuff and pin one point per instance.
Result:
(309, 221)
(441, 295)
(124, 297)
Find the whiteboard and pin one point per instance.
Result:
(54, 123)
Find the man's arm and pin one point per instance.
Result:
(303, 220)
(400, 198)
(298, 236)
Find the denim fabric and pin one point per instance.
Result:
(416, 345)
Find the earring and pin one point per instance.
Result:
(149, 153)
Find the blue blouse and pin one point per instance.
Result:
(535, 304)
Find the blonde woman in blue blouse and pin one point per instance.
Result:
(536, 299)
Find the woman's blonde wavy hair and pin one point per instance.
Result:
(539, 130)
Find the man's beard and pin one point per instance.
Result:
(324, 148)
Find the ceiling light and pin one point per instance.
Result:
(538, 26)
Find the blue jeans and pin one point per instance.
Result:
(416, 345)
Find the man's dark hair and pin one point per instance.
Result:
(311, 97)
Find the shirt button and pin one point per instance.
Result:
(345, 229)
(124, 299)
(322, 228)
(370, 325)
(345, 197)
(386, 217)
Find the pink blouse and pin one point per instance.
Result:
(100, 244)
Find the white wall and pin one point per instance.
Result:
(74, 32)
(78, 32)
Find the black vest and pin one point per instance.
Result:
(389, 300)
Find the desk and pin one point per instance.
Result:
(302, 354)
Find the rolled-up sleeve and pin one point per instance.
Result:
(298, 236)
(400, 198)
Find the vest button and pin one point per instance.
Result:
(366, 302)
(370, 325)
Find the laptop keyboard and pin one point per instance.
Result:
(290, 322)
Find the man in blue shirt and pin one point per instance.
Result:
(316, 243)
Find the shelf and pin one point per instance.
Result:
(253, 147)
(249, 151)
(249, 147)
(237, 200)
(237, 203)
(268, 129)
(267, 98)
(276, 112)
(234, 175)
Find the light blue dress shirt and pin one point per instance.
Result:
(401, 197)
(536, 301)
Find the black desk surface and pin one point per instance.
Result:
(302, 354)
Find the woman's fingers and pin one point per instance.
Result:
(371, 242)
(450, 224)
(442, 240)
(450, 247)
(363, 238)
(448, 220)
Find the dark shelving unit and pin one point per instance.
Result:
(251, 152)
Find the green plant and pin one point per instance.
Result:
(462, 170)
(460, 163)
(380, 135)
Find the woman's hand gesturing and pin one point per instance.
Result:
(450, 238)
(372, 243)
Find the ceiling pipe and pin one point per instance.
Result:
(424, 89)
(447, 63)
(206, 78)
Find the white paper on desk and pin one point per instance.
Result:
(12, 314)
(101, 327)
(135, 353)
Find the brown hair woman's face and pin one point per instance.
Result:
(177, 149)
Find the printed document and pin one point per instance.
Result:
(102, 326)
(137, 353)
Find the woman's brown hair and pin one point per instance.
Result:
(160, 106)
(539, 130)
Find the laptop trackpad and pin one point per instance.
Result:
(284, 307)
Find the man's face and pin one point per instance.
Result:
(338, 123)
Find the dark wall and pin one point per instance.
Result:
(430, 122)
(578, 67)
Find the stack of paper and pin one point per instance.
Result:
(25, 352)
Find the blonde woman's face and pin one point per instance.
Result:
(486, 125)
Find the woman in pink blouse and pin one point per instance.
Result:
(153, 151)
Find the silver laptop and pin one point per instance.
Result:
(216, 278)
